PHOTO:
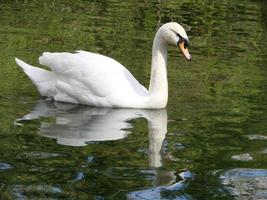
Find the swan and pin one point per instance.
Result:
(97, 80)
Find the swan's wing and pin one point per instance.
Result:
(85, 76)
(135, 85)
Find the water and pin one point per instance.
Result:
(210, 142)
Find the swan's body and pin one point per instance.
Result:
(92, 79)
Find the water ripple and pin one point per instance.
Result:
(5, 166)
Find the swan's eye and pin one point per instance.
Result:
(185, 41)
(186, 44)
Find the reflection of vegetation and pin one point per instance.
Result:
(214, 100)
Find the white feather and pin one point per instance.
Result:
(44, 80)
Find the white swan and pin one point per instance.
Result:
(96, 80)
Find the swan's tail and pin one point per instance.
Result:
(44, 80)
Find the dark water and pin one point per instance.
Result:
(210, 142)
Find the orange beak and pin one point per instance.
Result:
(184, 50)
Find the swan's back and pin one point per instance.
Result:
(93, 79)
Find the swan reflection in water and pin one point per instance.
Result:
(76, 125)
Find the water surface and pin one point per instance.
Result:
(209, 143)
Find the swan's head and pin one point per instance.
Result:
(175, 34)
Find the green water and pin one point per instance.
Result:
(214, 127)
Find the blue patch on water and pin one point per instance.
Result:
(5, 166)
(79, 176)
(89, 159)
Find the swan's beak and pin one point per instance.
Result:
(184, 50)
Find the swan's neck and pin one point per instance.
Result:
(158, 87)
